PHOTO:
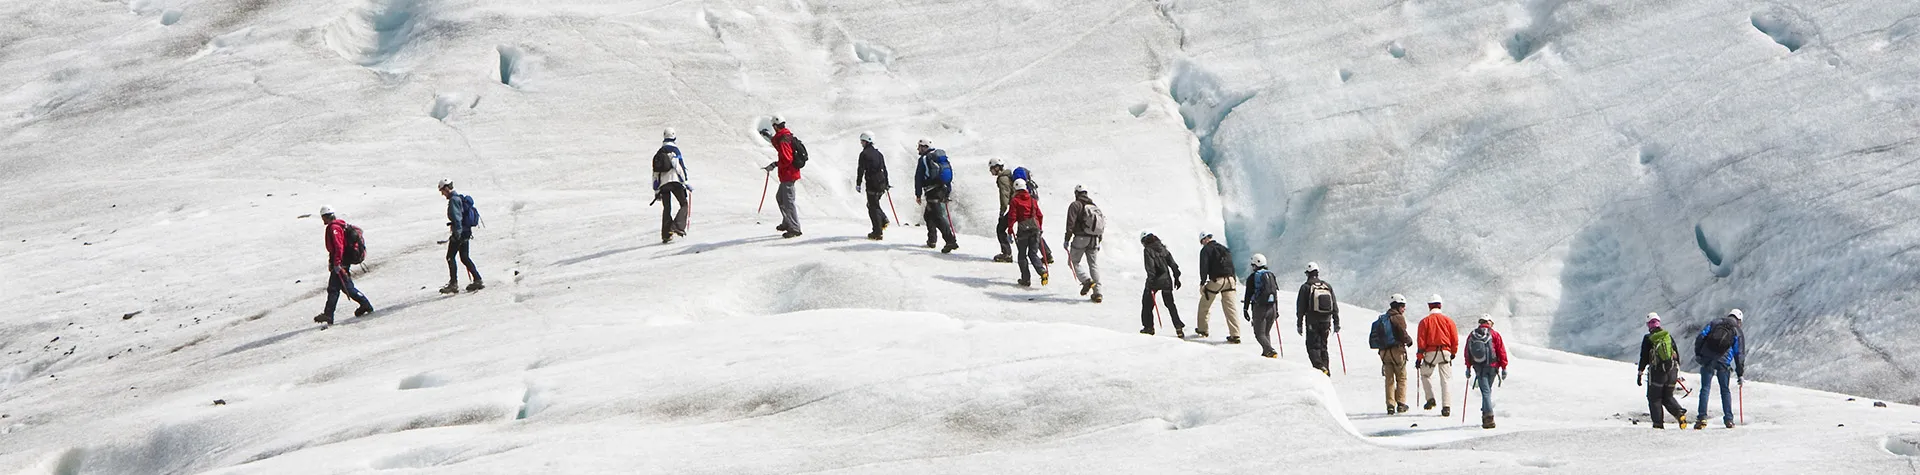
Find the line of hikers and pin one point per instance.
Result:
(1019, 229)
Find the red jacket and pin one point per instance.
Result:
(782, 144)
(336, 242)
(1437, 333)
(1499, 348)
(1022, 206)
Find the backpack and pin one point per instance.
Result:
(1322, 298)
(662, 161)
(1663, 351)
(472, 218)
(1715, 340)
(799, 152)
(939, 170)
(1382, 335)
(1480, 347)
(1092, 222)
(355, 246)
(1027, 227)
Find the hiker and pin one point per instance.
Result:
(1033, 188)
(669, 185)
(1486, 361)
(1217, 283)
(1317, 301)
(345, 247)
(1025, 221)
(1085, 226)
(1262, 303)
(792, 156)
(872, 170)
(933, 181)
(1389, 335)
(1720, 349)
(461, 217)
(1163, 276)
(1439, 340)
(1004, 180)
(1657, 351)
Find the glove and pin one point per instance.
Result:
(916, 200)
(1336, 328)
(1176, 284)
(656, 185)
(1636, 378)
(1301, 329)
(856, 189)
(1503, 375)
(772, 166)
(1741, 380)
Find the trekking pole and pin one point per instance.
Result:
(1743, 404)
(1343, 352)
(763, 192)
(1156, 313)
(1464, 397)
(896, 211)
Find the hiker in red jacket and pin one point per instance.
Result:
(338, 259)
(783, 140)
(1486, 361)
(1024, 221)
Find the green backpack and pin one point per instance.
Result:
(1663, 351)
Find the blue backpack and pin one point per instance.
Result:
(1381, 335)
(940, 170)
(473, 214)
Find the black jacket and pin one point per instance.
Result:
(1215, 261)
(872, 171)
(1662, 374)
(1303, 307)
(1162, 271)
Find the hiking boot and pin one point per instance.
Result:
(1390, 410)
(1682, 419)
(1026, 283)
(1729, 424)
(875, 236)
(1233, 340)
(1445, 411)
(361, 312)
(1048, 260)
(681, 233)
(789, 234)
(1486, 421)
(1097, 298)
(1270, 354)
(1404, 408)
(949, 249)
(1180, 333)
(666, 238)
(1043, 279)
(1658, 426)
(450, 288)
(1085, 287)
(1146, 331)
(326, 318)
(1429, 406)
(1700, 425)
(1002, 258)
(782, 227)
(930, 245)
(476, 285)
(1200, 333)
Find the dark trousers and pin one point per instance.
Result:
(1660, 401)
(341, 282)
(1317, 344)
(1147, 306)
(1000, 232)
(937, 223)
(456, 248)
(671, 222)
(1030, 255)
(874, 214)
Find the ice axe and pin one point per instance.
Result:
(1342, 341)
(763, 192)
(896, 211)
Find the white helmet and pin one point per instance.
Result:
(926, 143)
(1313, 267)
(1737, 315)
(1144, 233)
(1205, 235)
(996, 162)
(668, 134)
(1259, 260)
(1435, 299)
(1653, 318)
(1399, 299)
(446, 183)
(778, 120)
(326, 210)
(1078, 189)
(866, 136)
(1486, 318)
(1019, 185)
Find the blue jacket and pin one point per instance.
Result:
(457, 215)
(1736, 357)
(924, 183)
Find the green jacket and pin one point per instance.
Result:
(1004, 178)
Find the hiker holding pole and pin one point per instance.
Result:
(1316, 314)
(1486, 361)
(1721, 351)
(871, 174)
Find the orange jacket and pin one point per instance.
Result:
(1437, 333)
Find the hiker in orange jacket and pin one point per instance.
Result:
(1439, 341)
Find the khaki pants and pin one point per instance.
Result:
(1222, 289)
(1439, 362)
(1393, 368)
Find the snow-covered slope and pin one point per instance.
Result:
(1575, 165)
(162, 159)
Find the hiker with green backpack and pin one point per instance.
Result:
(1389, 335)
(1658, 352)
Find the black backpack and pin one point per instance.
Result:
(1716, 339)
(662, 161)
(1382, 334)
(356, 246)
(799, 152)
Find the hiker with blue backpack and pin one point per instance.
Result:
(1659, 353)
(1721, 350)
(669, 185)
(1389, 336)
(1033, 189)
(1261, 305)
(1317, 315)
(933, 187)
(461, 217)
(1486, 365)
